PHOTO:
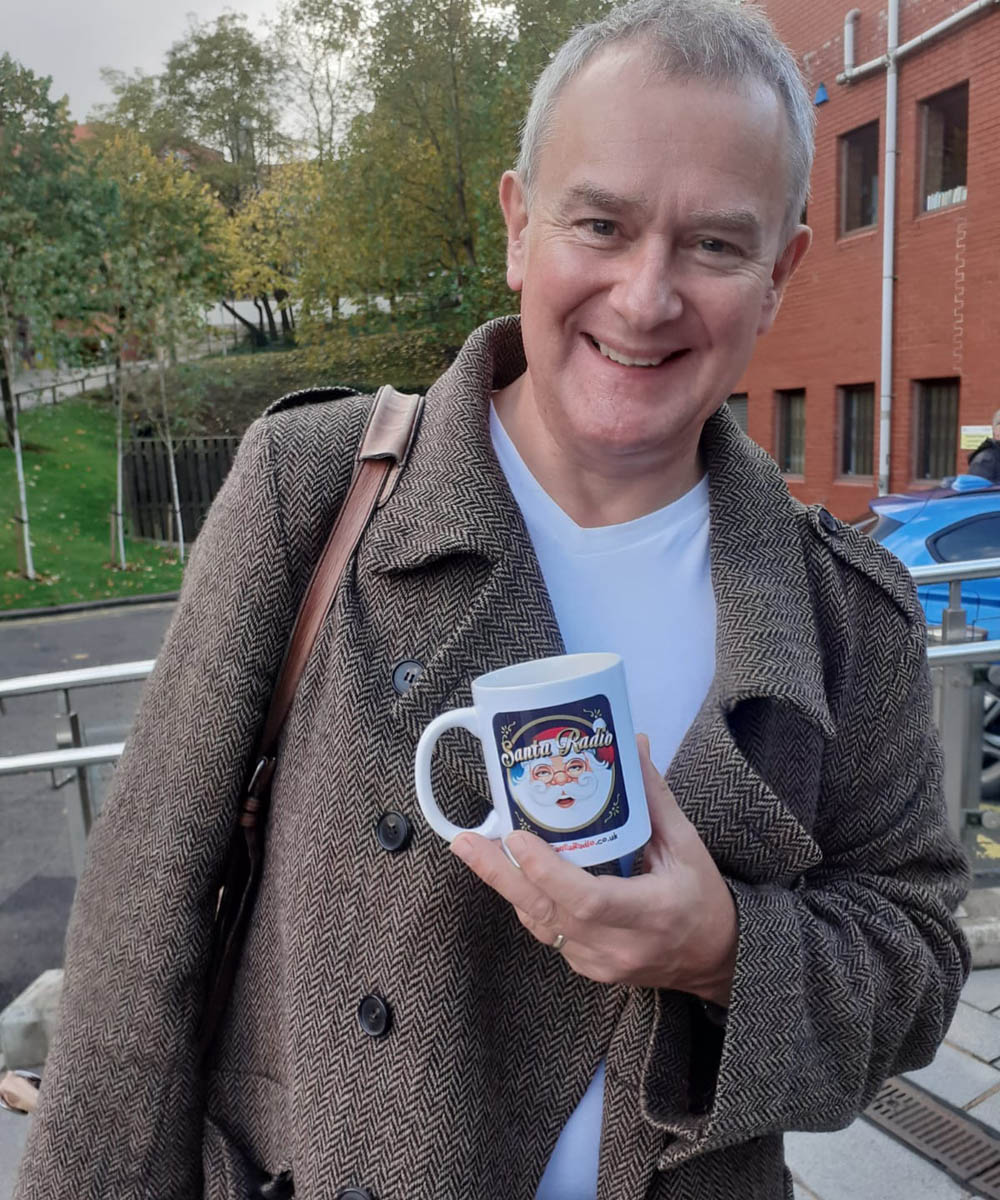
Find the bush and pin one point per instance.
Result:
(224, 395)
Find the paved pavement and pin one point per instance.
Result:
(864, 1163)
(36, 872)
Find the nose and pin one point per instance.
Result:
(560, 778)
(645, 294)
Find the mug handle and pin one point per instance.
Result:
(457, 718)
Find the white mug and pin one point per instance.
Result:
(560, 756)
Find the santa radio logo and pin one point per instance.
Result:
(560, 768)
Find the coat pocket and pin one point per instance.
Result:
(231, 1174)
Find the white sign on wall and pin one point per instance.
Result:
(972, 435)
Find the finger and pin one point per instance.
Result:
(584, 901)
(665, 816)
(486, 858)
(547, 934)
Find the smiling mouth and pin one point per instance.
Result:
(625, 361)
(565, 802)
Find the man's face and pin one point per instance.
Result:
(562, 792)
(649, 262)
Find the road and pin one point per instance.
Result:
(36, 873)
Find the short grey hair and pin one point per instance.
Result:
(722, 40)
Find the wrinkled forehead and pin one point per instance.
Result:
(637, 67)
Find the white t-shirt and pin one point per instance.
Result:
(642, 589)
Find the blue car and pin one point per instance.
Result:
(956, 522)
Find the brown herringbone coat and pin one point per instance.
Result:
(811, 772)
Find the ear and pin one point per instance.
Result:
(784, 268)
(515, 214)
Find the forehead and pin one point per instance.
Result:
(622, 126)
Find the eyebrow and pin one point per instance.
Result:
(598, 197)
(731, 220)
(735, 220)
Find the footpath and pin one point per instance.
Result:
(863, 1162)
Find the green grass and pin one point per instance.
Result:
(69, 455)
(69, 461)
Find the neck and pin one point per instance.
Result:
(592, 485)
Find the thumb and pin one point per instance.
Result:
(665, 816)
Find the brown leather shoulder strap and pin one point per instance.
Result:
(382, 454)
(381, 457)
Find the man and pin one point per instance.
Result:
(402, 1025)
(985, 459)
(561, 784)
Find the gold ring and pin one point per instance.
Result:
(560, 941)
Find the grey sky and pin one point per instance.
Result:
(72, 41)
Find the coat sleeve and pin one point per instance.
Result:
(120, 1105)
(851, 974)
(985, 463)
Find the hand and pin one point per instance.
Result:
(674, 926)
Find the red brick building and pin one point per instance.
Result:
(813, 388)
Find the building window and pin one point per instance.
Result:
(791, 433)
(859, 178)
(857, 429)
(937, 427)
(738, 407)
(946, 136)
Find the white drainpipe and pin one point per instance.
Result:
(849, 26)
(963, 14)
(888, 248)
(889, 60)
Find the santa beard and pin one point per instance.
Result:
(590, 793)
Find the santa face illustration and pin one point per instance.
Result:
(563, 791)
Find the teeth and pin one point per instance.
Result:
(624, 360)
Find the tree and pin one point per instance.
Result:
(314, 40)
(448, 83)
(272, 236)
(220, 84)
(48, 236)
(165, 260)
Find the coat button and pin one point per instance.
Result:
(355, 1193)
(374, 1016)
(405, 674)
(829, 521)
(393, 832)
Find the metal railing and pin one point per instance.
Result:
(958, 706)
(61, 388)
(73, 754)
(959, 689)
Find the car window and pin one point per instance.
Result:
(979, 537)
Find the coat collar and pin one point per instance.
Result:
(454, 499)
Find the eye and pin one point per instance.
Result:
(601, 227)
(716, 246)
(576, 766)
(541, 773)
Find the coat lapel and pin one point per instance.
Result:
(767, 649)
(451, 504)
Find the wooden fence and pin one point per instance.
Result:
(202, 464)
